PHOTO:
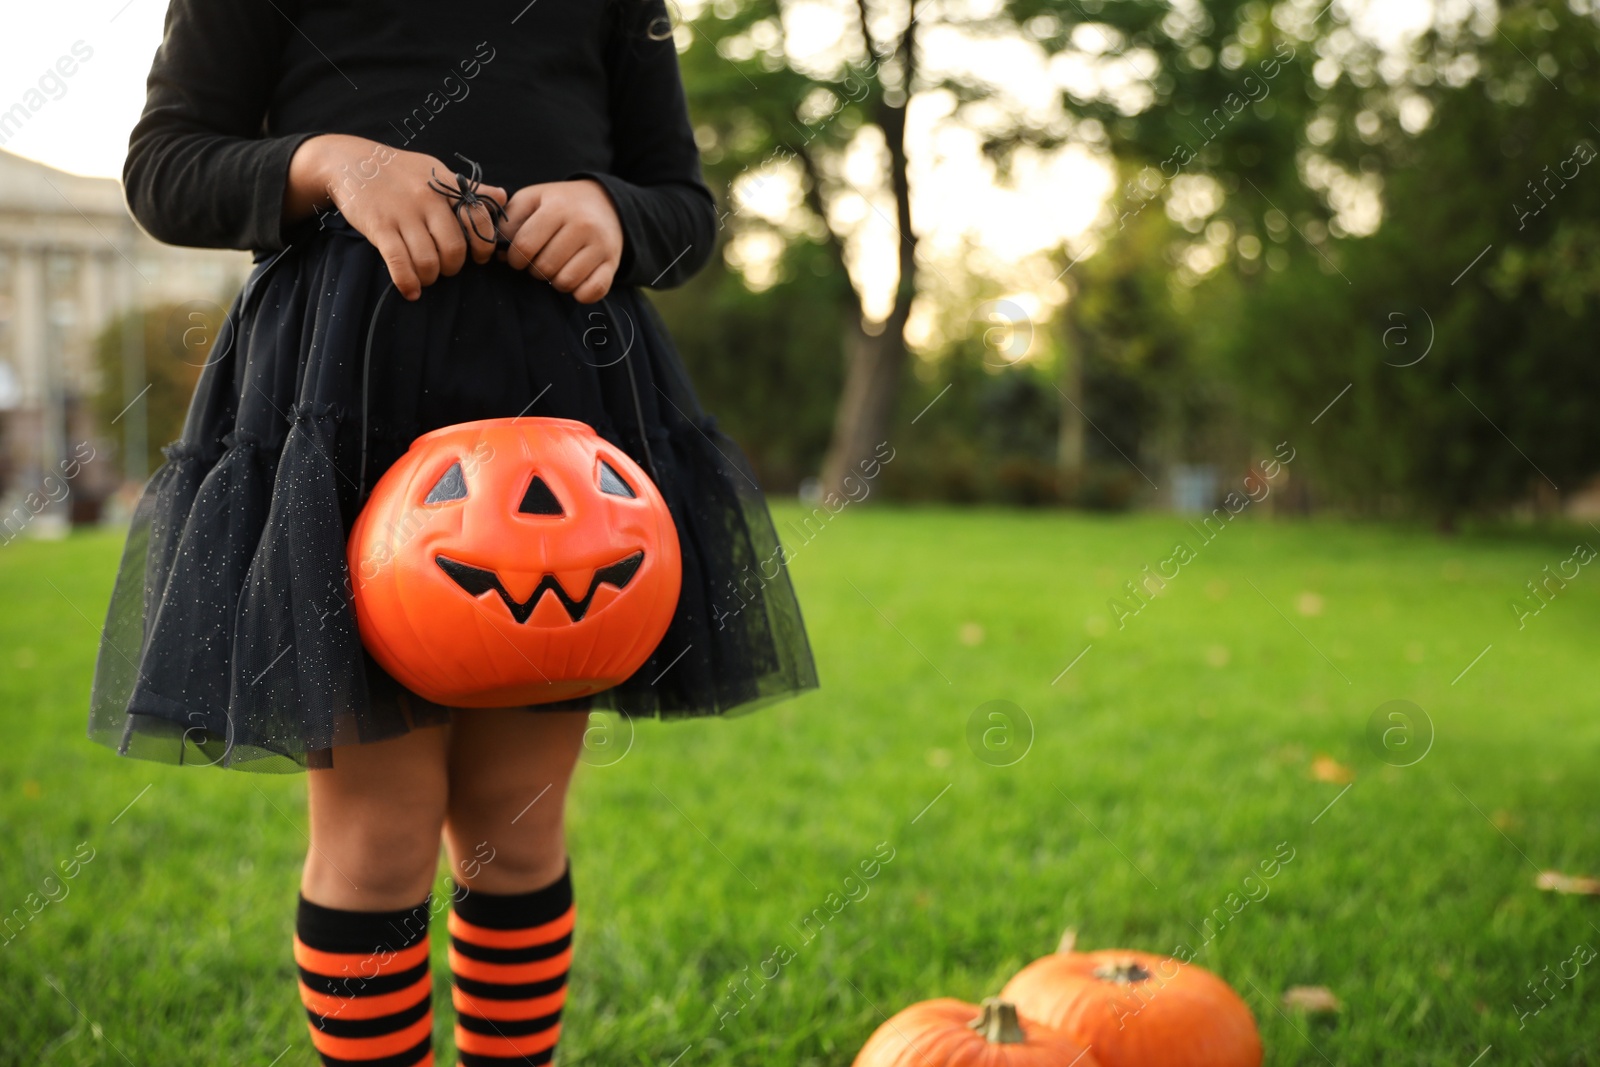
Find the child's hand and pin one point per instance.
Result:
(566, 233)
(383, 192)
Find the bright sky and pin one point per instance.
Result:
(84, 123)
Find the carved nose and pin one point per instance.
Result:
(539, 500)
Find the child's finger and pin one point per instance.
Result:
(523, 203)
(448, 239)
(597, 284)
(531, 240)
(557, 252)
(577, 268)
(398, 259)
(482, 232)
(424, 253)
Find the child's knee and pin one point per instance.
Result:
(375, 852)
(505, 847)
(509, 807)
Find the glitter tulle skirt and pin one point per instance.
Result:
(230, 639)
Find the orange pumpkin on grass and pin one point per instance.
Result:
(513, 561)
(1138, 1009)
(953, 1033)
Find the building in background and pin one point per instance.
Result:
(71, 260)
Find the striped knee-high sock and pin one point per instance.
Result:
(365, 985)
(509, 955)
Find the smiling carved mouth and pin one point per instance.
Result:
(477, 581)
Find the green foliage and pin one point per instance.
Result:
(765, 120)
(1245, 134)
(983, 435)
(173, 342)
(766, 364)
(1176, 750)
(1148, 393)
(1472, 380)
(1150, 390)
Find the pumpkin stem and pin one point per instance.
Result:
(1128, 972)
(998, 1023)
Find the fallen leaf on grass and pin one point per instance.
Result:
(1314, 999)
(1556, 882)
(1328, 769)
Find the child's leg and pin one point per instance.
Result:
(361, 935)
(512, 911)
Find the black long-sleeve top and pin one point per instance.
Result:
(532, 90)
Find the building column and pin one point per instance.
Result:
(93, 310)
(29, 322)
(39, 413)
(11, 253)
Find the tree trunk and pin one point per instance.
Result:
(874, 367)
(875, 362)
(1070, 437)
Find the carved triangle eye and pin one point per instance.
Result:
(452, 485)
(611, 482)
(539, 500)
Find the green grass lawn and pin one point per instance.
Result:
(1172, 759)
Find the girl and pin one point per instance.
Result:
(342, 141)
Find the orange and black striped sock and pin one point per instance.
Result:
(509, 955)
(365, 984)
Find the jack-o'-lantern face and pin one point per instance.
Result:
(513, 561)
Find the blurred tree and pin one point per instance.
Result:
(1146, 397)
(1160, 86)
(765, 362)
(1274, 138)
(1464, 328)
(176, 340)
(771, 129)
(1281, 137)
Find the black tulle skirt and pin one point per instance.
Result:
(230, 639)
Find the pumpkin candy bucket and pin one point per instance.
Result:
(513, 561)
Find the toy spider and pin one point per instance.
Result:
(464, 197)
